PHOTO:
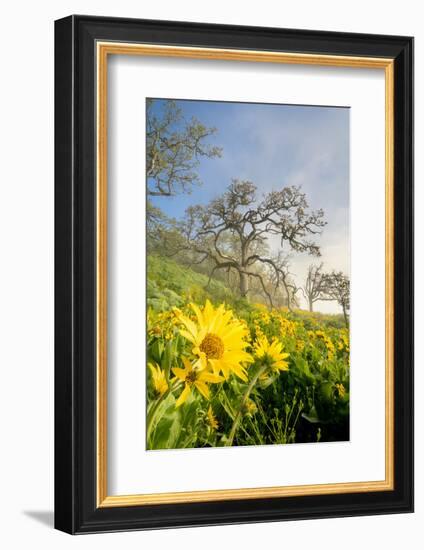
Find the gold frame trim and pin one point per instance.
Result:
(104, 49)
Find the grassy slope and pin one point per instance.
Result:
(171, 284)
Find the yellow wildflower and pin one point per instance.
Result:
(219, 340)
(340, 390)
(272, 353)
(159, 380)
(265, 318)
(211, 420)
(288, 328)
(194, 378)
(249, 407)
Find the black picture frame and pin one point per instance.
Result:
(76, 508)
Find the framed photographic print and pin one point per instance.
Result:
(234, 270)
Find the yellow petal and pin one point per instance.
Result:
(209, 377)
(152, 368)
(187, 365)
(237, 357)
(179, 373)
(207, 312)
(225, 369)
(198, 313)
(237, 331)
(239, 371)
(216, 365)
(198, 365)
(202, 387)
(281, 366)
(189, 324)
(188, 336)
(184, 394)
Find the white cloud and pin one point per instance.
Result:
(314, 155)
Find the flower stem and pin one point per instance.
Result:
(245, 397)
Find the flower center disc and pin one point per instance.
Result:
(212, 346)
(191, 377)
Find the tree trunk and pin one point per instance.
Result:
(311, 305)
(244, 284)
(345, 317)
(288, 295)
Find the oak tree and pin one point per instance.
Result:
(314, 288)
(337, 287)
(237, 231)
(174, 147)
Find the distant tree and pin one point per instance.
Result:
(337, 287)
(314, 288)
(173, 149)
(232, 232)
(158, 225)
(284, 294)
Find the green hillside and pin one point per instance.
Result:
(171, 284)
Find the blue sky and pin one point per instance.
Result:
(275, 146)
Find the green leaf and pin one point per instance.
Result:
(155, 351)
(311, 419)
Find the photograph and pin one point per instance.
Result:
(248, 274)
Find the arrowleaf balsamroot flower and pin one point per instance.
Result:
(341, 390)
(159, 381)
(219, 340)
(211, 420)
(271, 353)
(194, 378)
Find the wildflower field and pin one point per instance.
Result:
(224, 371)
